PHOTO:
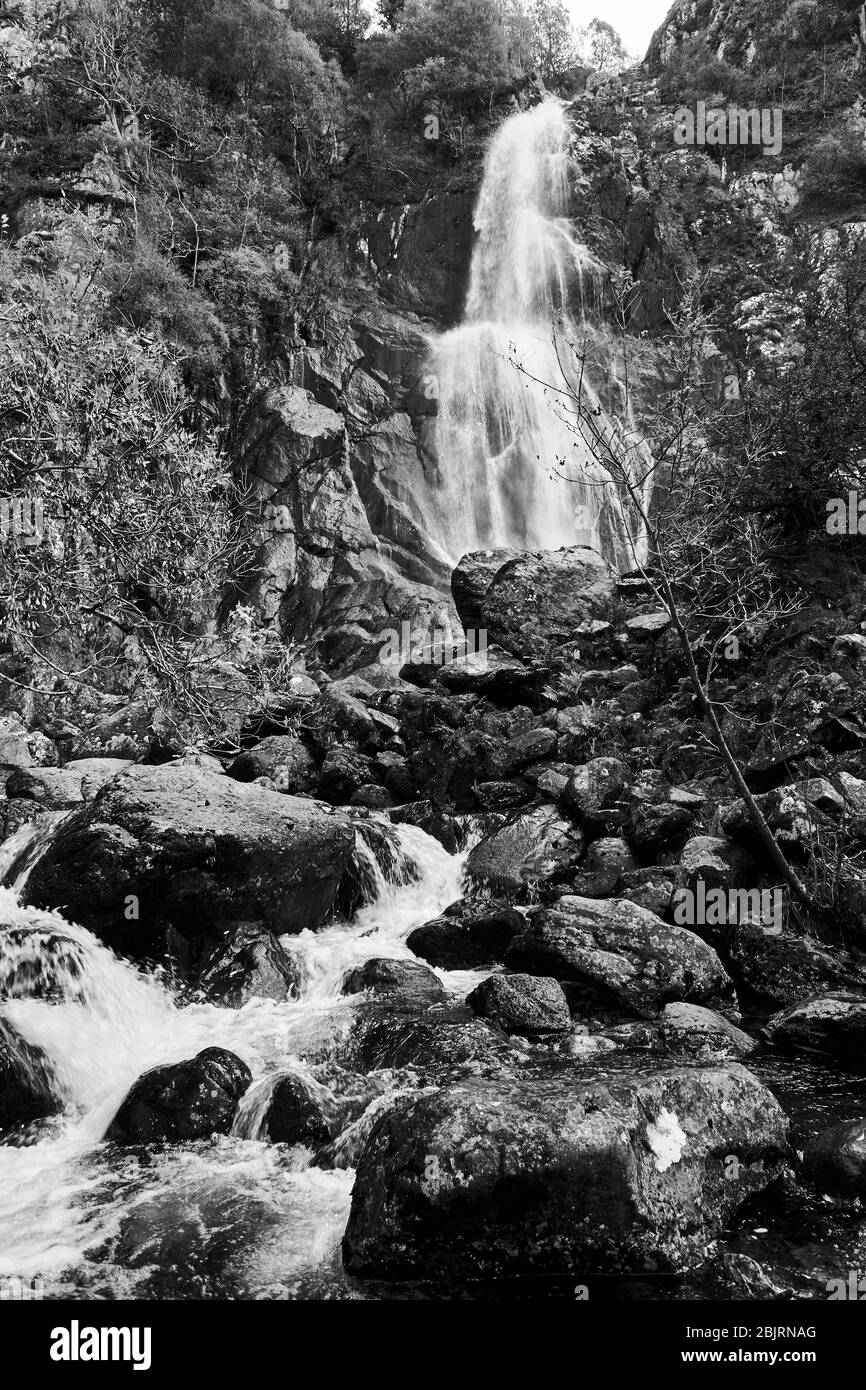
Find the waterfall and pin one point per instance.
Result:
(513, 470)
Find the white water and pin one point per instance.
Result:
(513, 470)
(68, 1199)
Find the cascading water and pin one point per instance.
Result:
(513, 470)
(91, 1218)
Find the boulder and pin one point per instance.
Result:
(438, 1047)
(716, 863)
(835, 1160)
(703, 1033)
(296, 1114)
(833, 1025)
(535, 848)
(181, 848)
(471, 580)
(466, 942)
(538, 600)
(778, 968)
(25, 1083)
(287, 761)
(653, 828)
(182, 1101)
(55, 788)
(404, 980)
(560, 1174)
(620, 953)
(595, 785)
(249, 963)
(343, 773)
(524, 1004)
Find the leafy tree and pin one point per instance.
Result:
(554, 41)
(140, 532)
(604, 47)
(468, 36)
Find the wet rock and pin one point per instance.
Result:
(179, 848)
(466, 942)
(411, 983)
(296, 1114)
(703, 1033)
(394, 772)
(25, 1083)
(835, 1160)
(287, 761)
(343, 773)
(535, 848)
(437, 1047)
(555, 1174)
(131, 731)
(526, 1004)
(444, 828)
(622, 953)
(182, 1101)
(341, 715)
(537, 601)
(249, 963)
(833, 1025)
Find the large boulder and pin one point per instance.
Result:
(560, 1174)
(183, 1101)
(180, 849)
(534, 848)
(471, 580)
(538, 600)
(25, 1083)
(779, 968)
(622, 953)
(296, 1113)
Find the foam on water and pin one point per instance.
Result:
(102, 1022)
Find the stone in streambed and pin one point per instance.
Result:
(560, 1173)
(183, 1101)
(25, 1083)
(534, 848)
(406, 980)
(249, 963)
(523, 1004)
(833, 1025)
(164, 850)
(835, 1160)
(296, 1114)
(621, 953)
(466, 942)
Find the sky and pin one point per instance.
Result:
(634, 20)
